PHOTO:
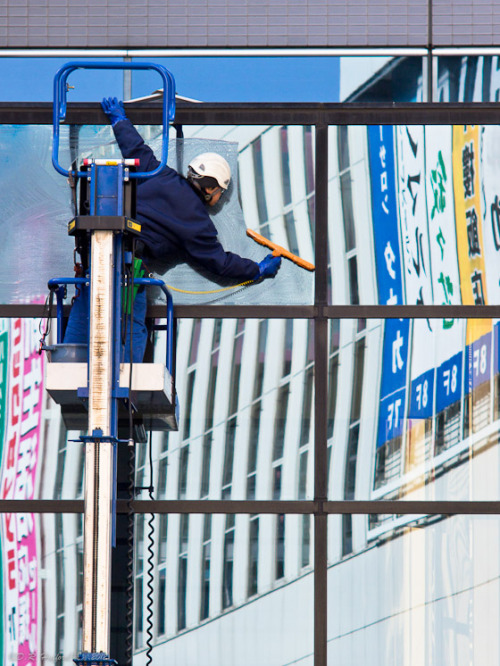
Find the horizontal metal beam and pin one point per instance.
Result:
(41, 506)
(238, 311)
(411, 311)
(214, 52)
(221, 506)
(264, 114)
(289, 311)
(348, 507)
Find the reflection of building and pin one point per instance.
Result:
(412, 414)
(467, 78)
(414, 448)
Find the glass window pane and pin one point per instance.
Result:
(285, 167)
(280, 421)
(227, 562)
(467, 78)
(51, 253)
(276, 364)
(188, 404)
(228, 565)
(259, 181)
(280, 547)
(413, 210)
(418, 419)
(253, 556)
(383, 79)
(432, 607)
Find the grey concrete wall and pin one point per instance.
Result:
(245, 23)
(466, 22)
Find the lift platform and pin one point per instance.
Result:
(151, 395)
(148, 397)
(98, 393)
(105, 201)
(153, 402)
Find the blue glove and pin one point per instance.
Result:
(269, 266)
(113, 108)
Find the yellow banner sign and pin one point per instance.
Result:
(468, 219)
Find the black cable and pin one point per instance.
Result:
(46, 316)
(129, 614)
(129, 610)
(150, 563)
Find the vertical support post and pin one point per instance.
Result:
(60, 296)
(127, 80)
(430, 58)
(321, 396)
(99, 458)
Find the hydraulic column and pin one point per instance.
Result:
(99, 454)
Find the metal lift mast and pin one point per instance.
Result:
(107, 388)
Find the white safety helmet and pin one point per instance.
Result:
(210, 165)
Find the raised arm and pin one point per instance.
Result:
(204, 247)
(129, 140)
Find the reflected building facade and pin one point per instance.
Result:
(413, 218)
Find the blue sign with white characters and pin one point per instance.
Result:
(479, 362)
(385, 217)
(394, 356)
(496, 336)
(389, 281)
(391, 416)
(449, 382)
(422, 396)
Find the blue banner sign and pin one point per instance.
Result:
(479, 362)
(391, 416)
(389, 281)
(449, 382)
(422, 396)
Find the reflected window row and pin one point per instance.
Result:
(458, 78)
(437, 576)
(413, 211)
(196, 560)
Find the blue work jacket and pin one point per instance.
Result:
(174, 219)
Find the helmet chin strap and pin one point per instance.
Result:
(207, 197)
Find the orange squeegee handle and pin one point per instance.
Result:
(279, 251)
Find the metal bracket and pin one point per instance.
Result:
(94, 659)
(103, 223)
(97, 438)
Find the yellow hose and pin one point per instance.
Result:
(212, 291)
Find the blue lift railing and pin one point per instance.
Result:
(59, 115)
(59, 108)
(57, 285)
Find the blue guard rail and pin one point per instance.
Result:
(58, 285)
(59, 108)
(59, 115)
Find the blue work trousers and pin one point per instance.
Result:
(77, 330)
